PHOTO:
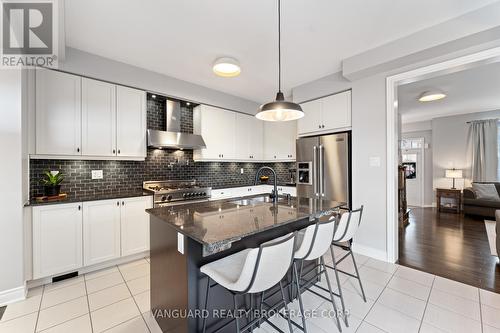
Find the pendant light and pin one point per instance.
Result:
(279, 110)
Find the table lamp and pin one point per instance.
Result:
(454, 174)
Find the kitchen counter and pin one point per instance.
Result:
(90, 197)
(185, 237)
(240, 217)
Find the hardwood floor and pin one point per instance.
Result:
(449, 245)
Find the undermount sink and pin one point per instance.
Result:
(256, 201)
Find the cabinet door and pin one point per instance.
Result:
(101, 231)
(256, 139)
(57, 113)
(243, 132)
(57, 239)
(218, 128)
(280, 140)
(135, 224)
(98, 118)
(311, 122)
(130, 122)
(336, 111)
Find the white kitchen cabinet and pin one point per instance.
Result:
(130, 122)
(57, 113)
(311, 121)
(223, 193)
(101, 231)
(218, 129)
(98, 118)
(327, 114)
(249, 132)
(279, 140)
(336, 111)
(57, 239)
(134, 224)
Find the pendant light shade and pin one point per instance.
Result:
(279, 110)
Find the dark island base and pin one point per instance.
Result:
(178, 288)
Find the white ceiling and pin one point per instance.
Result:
(182, 38)
(472, 90)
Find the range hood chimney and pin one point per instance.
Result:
(172, 138)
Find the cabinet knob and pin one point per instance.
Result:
(118, 203)
(77, 150)
(79, 207)
(114, 151)
(118, 151)
(319, 126)
(323, 126)
(123, 203)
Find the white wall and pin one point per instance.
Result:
(11, 201)
(418, 126)
(428, 164)
(449, 137)
(86, 64)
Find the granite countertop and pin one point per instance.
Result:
(241, 217)
(90, 197)
(269, 184)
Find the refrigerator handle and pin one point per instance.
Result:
(314, 171)
(321, 172)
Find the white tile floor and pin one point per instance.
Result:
(400, 299)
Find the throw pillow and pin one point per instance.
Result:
(486, 191)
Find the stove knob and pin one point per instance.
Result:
(204, 194)
(189, 195)
(185, 195)
(197, 194)
(169, 197)
(163, 198)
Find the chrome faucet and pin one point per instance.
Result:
(274, 195)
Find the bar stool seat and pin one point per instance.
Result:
(233, 272)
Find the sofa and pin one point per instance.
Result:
(480, 207)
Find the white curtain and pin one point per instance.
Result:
(483, 150)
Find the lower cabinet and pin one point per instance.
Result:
(135, 224)
(101, 231)
(57, 239)
(67, 237)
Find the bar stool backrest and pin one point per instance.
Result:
(317, 240)
(348, 225)
(274, 258)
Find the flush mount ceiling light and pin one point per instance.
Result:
(279, 110)
(226, 67)
(433, 95)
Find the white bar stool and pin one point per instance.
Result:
(346, 229)
(252, 271)
(313, 243)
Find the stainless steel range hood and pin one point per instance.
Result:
(172, 138)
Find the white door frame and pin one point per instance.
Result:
(458, 64)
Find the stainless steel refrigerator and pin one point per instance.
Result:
(324, 167)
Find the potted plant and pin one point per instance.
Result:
(52, 183)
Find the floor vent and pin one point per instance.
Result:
(64, 277)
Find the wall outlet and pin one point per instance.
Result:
(241, 170)
(97, 174)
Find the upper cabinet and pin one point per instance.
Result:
(280, 140)
(98, 118)
(58, 113)
(217, 127)
(327, 114)
(249, 138)
(130, 122)
(77, 116)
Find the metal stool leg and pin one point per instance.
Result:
(338, 284)
(357, 274)
(331, 294)
(297, 280)
(261, 307)
(287, 314)
(207, 294)
(235, 315)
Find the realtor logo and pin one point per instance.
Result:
(28, 34)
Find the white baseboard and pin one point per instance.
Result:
(12, 295)
(369, 252)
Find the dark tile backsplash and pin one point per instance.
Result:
(159, 165)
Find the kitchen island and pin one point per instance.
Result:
(185, 237)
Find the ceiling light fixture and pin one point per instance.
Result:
(279, 110)
(433, 95)
(226, 67)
